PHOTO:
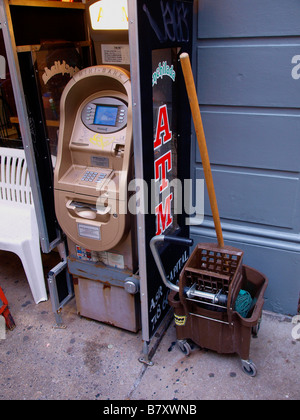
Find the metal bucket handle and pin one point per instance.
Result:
(173, 240)
(189, 292)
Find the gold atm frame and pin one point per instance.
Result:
(93, 211)
(94, 166)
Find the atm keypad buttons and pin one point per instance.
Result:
(121, 116)
(101, 176)
(91, 176)
(90, 114)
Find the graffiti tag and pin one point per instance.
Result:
(174, 24)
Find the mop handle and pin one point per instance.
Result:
(193, 99)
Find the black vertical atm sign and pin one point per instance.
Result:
(164, 72)
(164, 32)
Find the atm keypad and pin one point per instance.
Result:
(91, 176)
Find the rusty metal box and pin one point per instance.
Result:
(100, 295)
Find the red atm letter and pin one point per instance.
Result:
(162, 127)
(165, 163)
(163, 218)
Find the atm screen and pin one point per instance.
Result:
(106, 115)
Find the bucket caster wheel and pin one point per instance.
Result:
(184, 347)
(249, 367)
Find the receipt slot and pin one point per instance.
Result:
(94, 166)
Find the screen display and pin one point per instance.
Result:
(106, 115)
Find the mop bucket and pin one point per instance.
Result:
(221, 329)
(205, 300)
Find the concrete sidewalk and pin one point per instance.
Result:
(93, 361)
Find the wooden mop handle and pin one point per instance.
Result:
(193, 99)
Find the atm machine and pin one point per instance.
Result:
(93, 169)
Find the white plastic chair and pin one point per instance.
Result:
(18, 225)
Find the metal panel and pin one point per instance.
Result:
(138, 159)
(248, 79)
(244, 18)
(97, 300)
(265, 138)
(247, 75)
(60, 289)
(253, 197)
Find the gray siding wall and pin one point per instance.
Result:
(247, 70)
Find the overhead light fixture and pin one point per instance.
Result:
(109, 15)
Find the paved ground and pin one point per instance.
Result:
(92, 361)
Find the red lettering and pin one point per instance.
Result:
(163, 133)
(165, 163)
(163, 215)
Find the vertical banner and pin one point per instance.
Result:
(164, 31)
(164, 71)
